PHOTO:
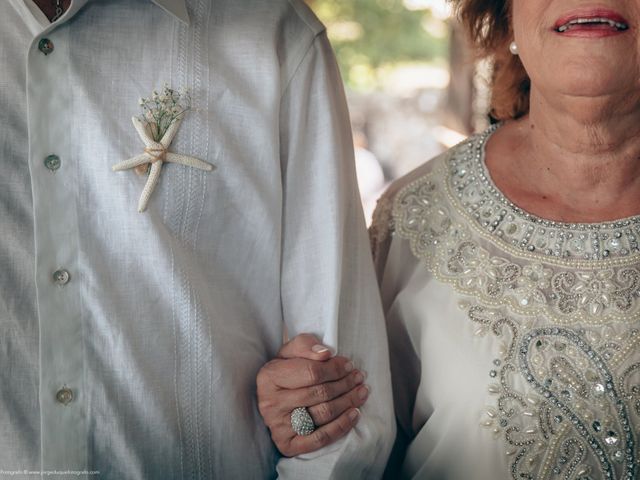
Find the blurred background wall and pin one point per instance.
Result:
(413, 88)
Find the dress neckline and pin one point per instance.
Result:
(477, 196)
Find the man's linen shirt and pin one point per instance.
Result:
(138, 360)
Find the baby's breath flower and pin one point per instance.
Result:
(163, 109)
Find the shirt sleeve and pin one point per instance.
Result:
(328, 283)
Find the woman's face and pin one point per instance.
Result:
(579, 48)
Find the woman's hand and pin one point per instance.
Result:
(306, 375)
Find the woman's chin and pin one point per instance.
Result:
(594, 83)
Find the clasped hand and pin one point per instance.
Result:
(305, 374)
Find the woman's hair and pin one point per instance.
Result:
(488, 24)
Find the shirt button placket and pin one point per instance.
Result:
(62, 387)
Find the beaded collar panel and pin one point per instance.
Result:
(473, 190)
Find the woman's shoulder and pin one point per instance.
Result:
(432, 170)
(424, 170)
(447, 168)
(390, 205)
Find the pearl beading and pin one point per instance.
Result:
(551, 450)
(472, 188)
(569, 290)
(606, 464)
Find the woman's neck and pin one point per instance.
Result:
(49, 7)
(577, 160)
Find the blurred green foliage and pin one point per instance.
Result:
(368, 35)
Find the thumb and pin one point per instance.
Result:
(305, 346)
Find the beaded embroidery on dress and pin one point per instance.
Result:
(562, 298)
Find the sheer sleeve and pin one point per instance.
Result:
(380, 234)
(391, 264)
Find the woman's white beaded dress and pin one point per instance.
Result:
(515, 340)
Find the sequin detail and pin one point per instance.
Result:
(480, 201)
(434, 222)
(572, 415)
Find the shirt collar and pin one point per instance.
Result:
(177, 8)
(39, 25)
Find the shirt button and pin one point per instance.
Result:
(64, 396)
(45, 46)
(61, 277)
(52, 162)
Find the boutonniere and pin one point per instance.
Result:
(158, 124)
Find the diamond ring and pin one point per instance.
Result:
(301, 421)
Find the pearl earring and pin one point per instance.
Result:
(513, 48)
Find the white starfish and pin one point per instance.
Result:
(156, 154)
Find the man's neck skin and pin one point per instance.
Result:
(48, 7)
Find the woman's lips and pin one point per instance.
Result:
(592, 23)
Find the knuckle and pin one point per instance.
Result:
(263, 390)
(314, 375)
(281, 441)
(320, 392)
(343, 425)
(320, 438)
(339, 365)
(280, 438)
(324, 412)
(267, 367)
(286, 450)
(261, 379)
(269, 398)
(354, 399)
(264, 376)
(266, 408)
(341, 361)
(289, 449)
(348, 382)
(347, 385)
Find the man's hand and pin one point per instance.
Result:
(306, 375)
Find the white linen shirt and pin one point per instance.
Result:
(166, 316)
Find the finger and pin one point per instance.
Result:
(321, 393)
(326, 412)
(297, 373)
(325, 435)
(305, 346)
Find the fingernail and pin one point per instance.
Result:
(319, 349)
(363, 392)
(354, 414)
(359, 377)
(348, 367)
